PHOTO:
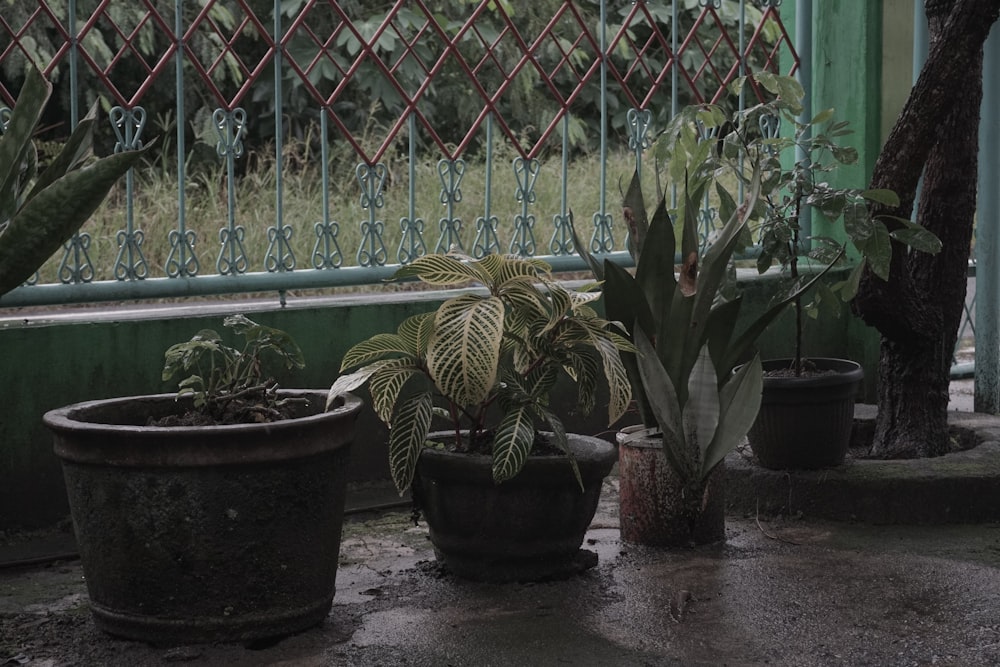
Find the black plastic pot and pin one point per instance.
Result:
(805, 422)
(525, 529)
(654, 508)
(209, 533)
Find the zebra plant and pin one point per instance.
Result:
(41, 211)
(486, 361)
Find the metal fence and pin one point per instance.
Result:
(631, 62)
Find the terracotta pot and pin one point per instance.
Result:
(209, 533)
(525, 529)
(805, 422)
(654, 508)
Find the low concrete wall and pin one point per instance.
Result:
(53, 359)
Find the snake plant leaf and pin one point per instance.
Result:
(464, 350)
(39, 228)
(378, 346)
(596, 267)
(412, 420)
(77, 148)
(739, 402)
(655, 271)
(16, 144)
(666, 410)
(701, 411)
(719, 331)
(443, 270)
(512, 443)
(634, 213)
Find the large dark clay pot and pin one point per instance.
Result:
(805, 422)
(653, 508)
(212, 533)
(525, 529)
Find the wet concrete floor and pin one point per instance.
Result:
(777, 592)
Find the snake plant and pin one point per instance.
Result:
(486, 361)
(683, 321)
(41, 211)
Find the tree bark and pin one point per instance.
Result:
(918, 310)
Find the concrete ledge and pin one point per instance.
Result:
(961, 487)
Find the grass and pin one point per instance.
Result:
(155, 206)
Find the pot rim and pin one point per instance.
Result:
(132, 445)
(71, 417)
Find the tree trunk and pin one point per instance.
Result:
(918, 311)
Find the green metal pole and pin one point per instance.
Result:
(987, 382)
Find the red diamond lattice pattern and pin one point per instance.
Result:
(409, 36)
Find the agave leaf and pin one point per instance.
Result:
(43, 224)
(411, 423)
(464, 350)
(512, 443)
(739, 402)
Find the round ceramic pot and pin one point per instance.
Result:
(654, 507)
(805, 422)
(527, 528)
(205, 533)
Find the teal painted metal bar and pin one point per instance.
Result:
(561, 242)
(168, 288)
(279, 255)
(182, 261)
(804, 44)
(326, 252)
(411, 242)
(987, 382)
(602, 240)
(130, 264)
(486, 241)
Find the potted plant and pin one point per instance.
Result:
(695, 408)
(503, 501)
(214, 514)
(807, 410)
(41, 211)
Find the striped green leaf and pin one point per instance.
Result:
(378, 346)
(412, 423)
(464, 350)
(512, 443)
